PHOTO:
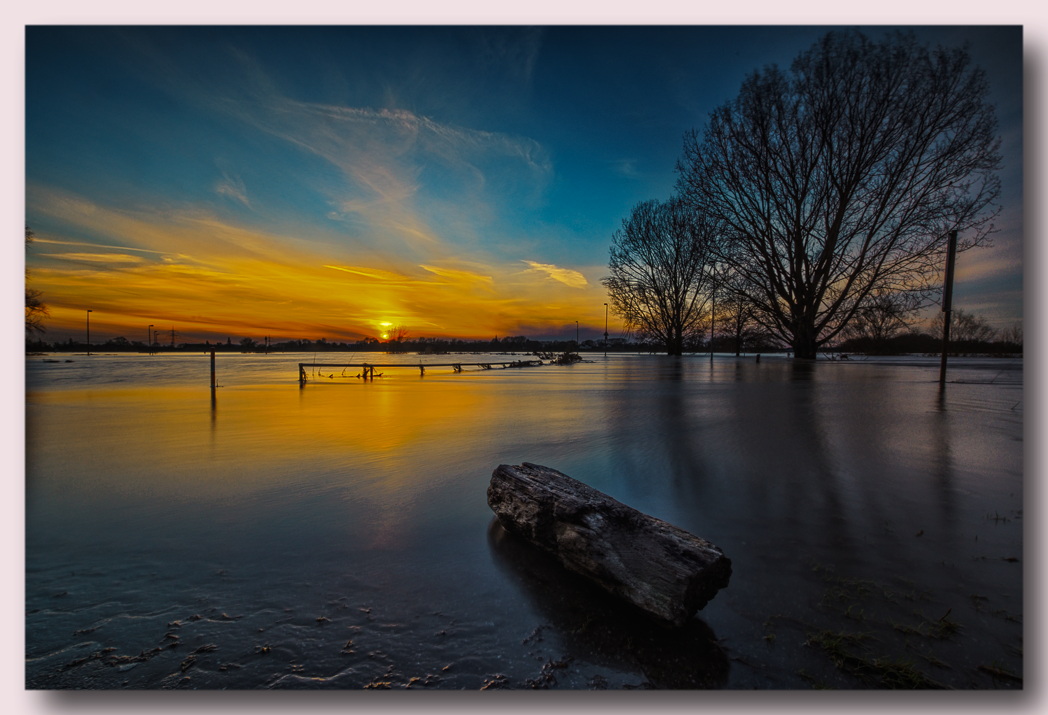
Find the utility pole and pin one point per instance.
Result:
(947, 304)
(605, 330)
(713, 310)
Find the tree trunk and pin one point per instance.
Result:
(660, 568)
(675, 344)
(805, 345)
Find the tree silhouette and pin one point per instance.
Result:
(659, 272)
(35, 310)
(840, 178)
(965, 327)
(736, 316)
(1013, 335)
(881, 317)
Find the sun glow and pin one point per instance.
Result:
(228, 281)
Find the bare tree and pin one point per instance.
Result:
(840, 177)
(1013, 335)
(659, 273)
(881, 317)
(965, 327)
(737, 318)
(35, 310)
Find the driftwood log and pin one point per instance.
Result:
(661, 568)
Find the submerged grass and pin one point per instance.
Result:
(940, 628)
(898, 642)
(849, 652)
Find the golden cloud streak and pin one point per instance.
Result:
(209, 278)
(97, 257)
(567, 276)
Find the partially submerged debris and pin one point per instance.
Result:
(658, 567)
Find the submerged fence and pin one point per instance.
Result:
(367, 370)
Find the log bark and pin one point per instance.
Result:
(658, 567)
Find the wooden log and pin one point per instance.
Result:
(660, 568)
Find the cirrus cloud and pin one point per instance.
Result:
(567, 276)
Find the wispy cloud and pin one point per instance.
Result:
(567, 276)
(88, 244)
(974, 266)
(107, 258)
(376, 274)
(232, 187)
(403, 173)
(460, 276)
(625, 167)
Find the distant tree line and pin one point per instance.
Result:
(813, 210)
(970, 334)
(727, 341)
(421, 345)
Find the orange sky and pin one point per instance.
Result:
(228, 281)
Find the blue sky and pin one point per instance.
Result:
(330, 181)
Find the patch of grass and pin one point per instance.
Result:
(856, 614)
(940, 629)
(849, 653)
(836, 643)
(812, 680)
(900, 646)
(902, 675)
(999, 673)
(932, 660)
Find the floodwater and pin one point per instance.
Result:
(337, 535)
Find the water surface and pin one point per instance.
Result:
(337, 534)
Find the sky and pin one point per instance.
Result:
(335, 181)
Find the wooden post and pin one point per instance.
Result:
(212, 374)
(947, 304)
(421, 371)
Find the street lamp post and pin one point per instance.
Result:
(576, 335)
(89, 332)
(605, 330)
